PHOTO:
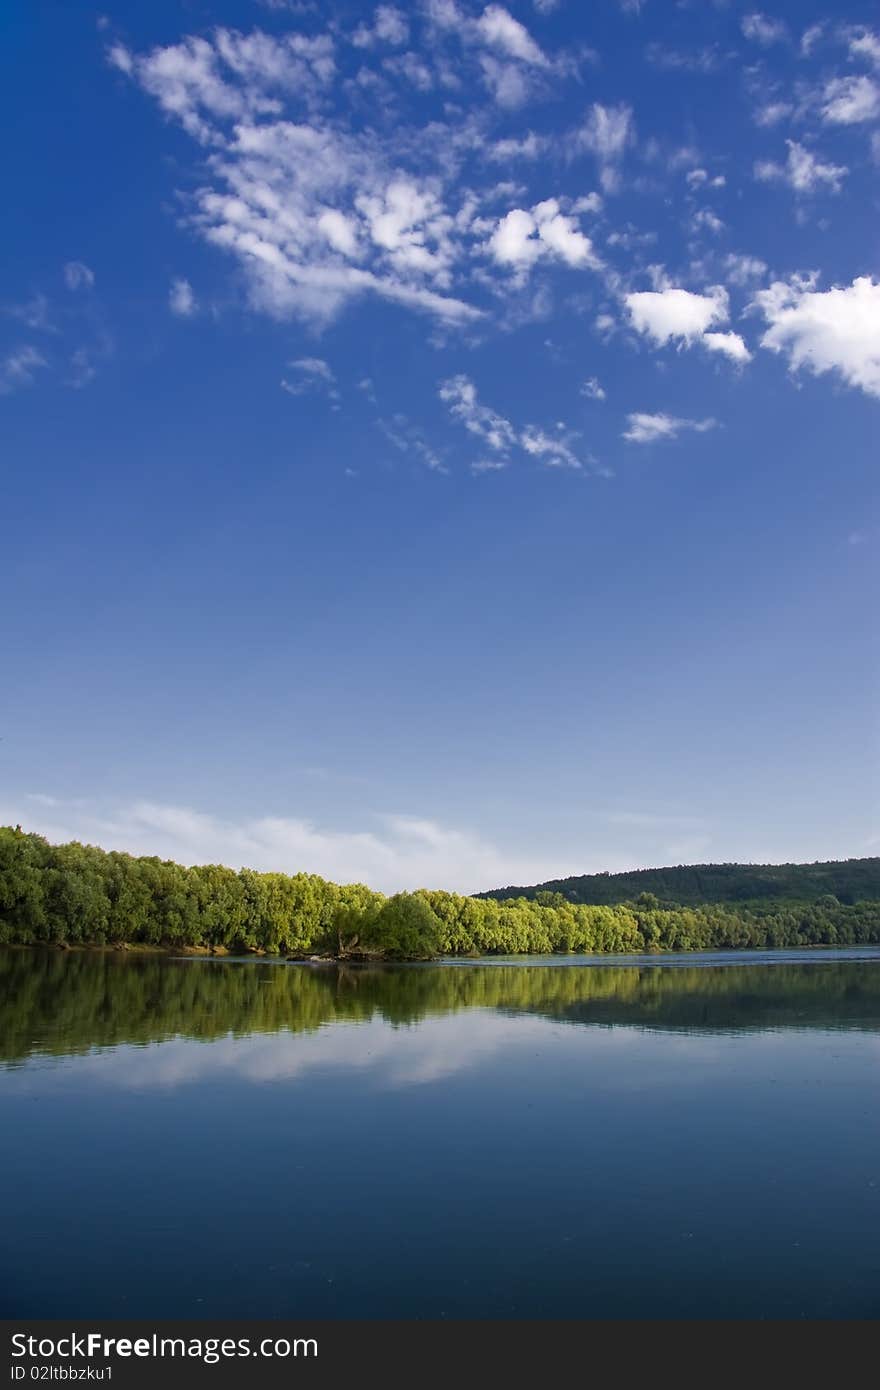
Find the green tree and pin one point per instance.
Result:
(405, 928)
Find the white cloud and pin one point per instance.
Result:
(706, 220)
(17, 368)
(514, 241)
(181, 300)
(498, 29)
(730, 344)
(758, 28)
(34, 314)
(811, 37)
(562, 237)
(588, 202)
(231, 77)
(410, 225)
(593, 389)
(675, 314)
(460, 394)
(802, 171)
(700, 178)
(772, 113)
(409, 439)
(508, 82)
(82, 369)
(410, 67)
(489, 465)
(522, 236)
(703, 60)
(546, 6)
(78, 276)
(836, 330)
(340, 231)
(513, 64)
(390, 25)
(864, 43)
(742, 268)
(395, 852)
(851, 100)
(314, 367)
(648, 429)
(528, 146)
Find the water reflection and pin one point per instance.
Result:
(210, 1139)
(65, 1003)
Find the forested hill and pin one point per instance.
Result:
(689, 885)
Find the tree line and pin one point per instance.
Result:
(79, 895)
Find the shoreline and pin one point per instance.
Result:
(138, 948)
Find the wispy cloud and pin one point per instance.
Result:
(18, 368)
(763, 30)
(606, 132)
(310, 374)
(390, 26)
(648, 429)
(803, 171)
(554, 449)
(460, 394)
(78, 276)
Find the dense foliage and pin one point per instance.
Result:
(849, 880)
(72, 1001)
(78, 895)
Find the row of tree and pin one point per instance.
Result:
(77, 894)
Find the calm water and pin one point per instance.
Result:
(674, 1137)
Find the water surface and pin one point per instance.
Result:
(674, 1136)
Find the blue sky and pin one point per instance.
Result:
(439, 442)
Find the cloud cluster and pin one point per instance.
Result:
(316, 208)
(319, 207)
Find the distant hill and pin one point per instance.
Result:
(849, 880)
